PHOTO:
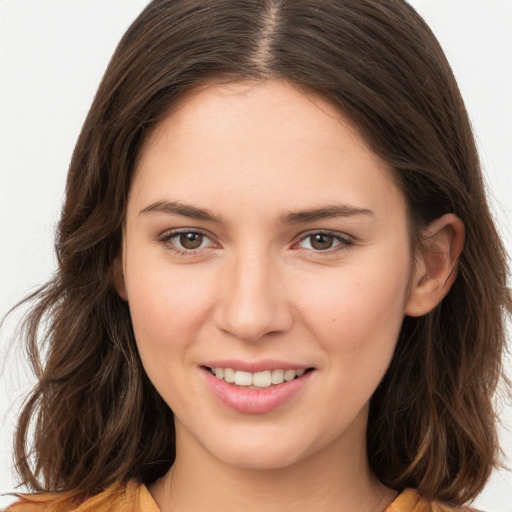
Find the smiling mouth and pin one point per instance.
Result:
(257, 380)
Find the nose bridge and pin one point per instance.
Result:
(254, 303)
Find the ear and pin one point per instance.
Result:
(118, 278)
(436, 264)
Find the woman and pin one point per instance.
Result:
(275, 227)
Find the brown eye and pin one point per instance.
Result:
(321, 241)
(191, 240)
(325, 241)
(185, 242)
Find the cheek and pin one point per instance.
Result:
(167, 305)
(359, 312)
(356, 322)
(168, 309)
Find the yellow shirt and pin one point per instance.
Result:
(135, 497)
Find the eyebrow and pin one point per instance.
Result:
(328, 212)
(177, 208)
(294, 217)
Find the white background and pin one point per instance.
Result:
(52, 56)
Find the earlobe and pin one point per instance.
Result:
(436, 265)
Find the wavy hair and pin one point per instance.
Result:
(94, 418)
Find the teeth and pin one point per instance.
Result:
(277, 376)
(289, 375)
(243, 378)
(263, 379)
(229, 374)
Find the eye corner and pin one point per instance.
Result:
(187, 241)
(326, 242)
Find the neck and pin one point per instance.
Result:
(337, 478)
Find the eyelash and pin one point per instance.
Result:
(167, 238)
(343, 242)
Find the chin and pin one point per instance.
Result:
(260, 452)
(260, 459)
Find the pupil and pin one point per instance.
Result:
(191, 240)
(322, 242)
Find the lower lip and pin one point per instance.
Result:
(254, 401)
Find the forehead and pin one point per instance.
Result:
(251, 105)
(257, 142)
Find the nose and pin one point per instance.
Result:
(253, 302)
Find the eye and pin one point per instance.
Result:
(324, 241)
(184, 241)
(191, 240)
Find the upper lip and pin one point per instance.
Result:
(255, 366)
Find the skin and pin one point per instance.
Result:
(254, 155)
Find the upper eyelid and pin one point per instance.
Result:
(341, 236)
(166, 236)
(344, 242)
(169, 233)
(336, 234)
(301, 235)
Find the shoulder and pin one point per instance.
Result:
(410, 501)
(120, 497)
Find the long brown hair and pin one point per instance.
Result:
(94, 417)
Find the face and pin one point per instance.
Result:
(265, 244)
